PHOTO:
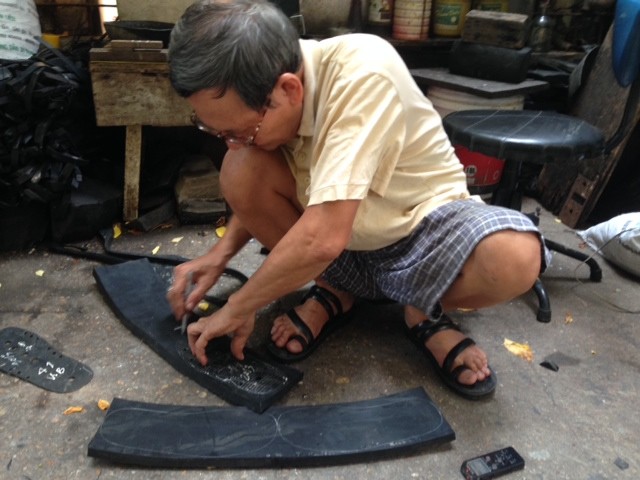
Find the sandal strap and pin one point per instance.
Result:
(329, 301)
(307, 334)
(427, 329)
(453, 353)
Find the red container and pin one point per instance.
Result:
(483, 172)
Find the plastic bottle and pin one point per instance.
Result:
(380, 17)
(355, 22)
(541, 36)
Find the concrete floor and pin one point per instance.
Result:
(581, 422)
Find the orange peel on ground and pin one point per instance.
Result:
(72, 410)
(522, 350)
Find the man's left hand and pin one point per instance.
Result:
(222, 322)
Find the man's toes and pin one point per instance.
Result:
(477, 364)
(281, 332)
(480, 369)
(468, 377)
(474, 358)
(294, 346)
(279, 340)
(277, 328)
(281, 337)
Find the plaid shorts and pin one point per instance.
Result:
(420, 268)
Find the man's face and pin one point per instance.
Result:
(230, 119)
(227, 117)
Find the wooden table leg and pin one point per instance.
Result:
(132, 160)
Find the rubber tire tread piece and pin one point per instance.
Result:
(136, 293)
(164, 436)
(29, 357)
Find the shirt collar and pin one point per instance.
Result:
(311, 53)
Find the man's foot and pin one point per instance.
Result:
(297, 333)
(460, 363)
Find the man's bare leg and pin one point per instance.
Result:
(503, 266)
(261, 191)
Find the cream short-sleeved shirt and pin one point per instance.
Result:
(369, 133)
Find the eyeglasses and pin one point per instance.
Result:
(247, 141)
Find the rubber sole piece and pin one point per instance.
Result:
(136, 293)
(29, 357)
(285, 436)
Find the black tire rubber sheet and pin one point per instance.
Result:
(284, 436)
(136, 293)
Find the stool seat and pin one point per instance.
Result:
(529, 136)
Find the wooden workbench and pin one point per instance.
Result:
(131, 88)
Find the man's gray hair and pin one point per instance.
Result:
(244, 45)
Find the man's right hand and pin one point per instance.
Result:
(204, 274)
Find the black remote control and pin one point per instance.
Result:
(492, 465)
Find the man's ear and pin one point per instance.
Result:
(291, 87)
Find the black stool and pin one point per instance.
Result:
(520, 136)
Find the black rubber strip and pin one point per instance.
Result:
(112, 256)
(136, 293)
(285, 436)
(29, 357)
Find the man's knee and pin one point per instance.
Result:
(249, 176)
(237, 174)
(512, 259)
